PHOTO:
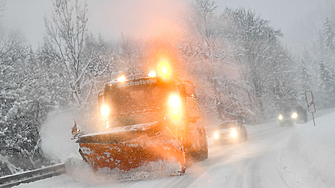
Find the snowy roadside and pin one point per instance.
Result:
(308, 159)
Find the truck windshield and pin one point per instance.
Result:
(138, 99)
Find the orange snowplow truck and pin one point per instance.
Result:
(153, 118)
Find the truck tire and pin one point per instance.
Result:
(204, 145)
(201, 153)
(205, 153)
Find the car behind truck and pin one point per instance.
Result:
(230, 131)
(291, 115)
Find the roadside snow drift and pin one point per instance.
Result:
(308, 159)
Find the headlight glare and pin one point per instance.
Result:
(122, 78)
(105, 111)
(175, 106)
(164, 69)
(174, 101)
(280, 117)
(233, 133)
(176, 114)
(294, 115)
(216, 135)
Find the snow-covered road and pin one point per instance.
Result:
(265, 160)
(251, 164)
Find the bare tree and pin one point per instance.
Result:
(67, 33)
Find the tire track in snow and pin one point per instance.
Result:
(257, 158)
(263, 171)
(224, 158)
(240, 173)
(198, 169)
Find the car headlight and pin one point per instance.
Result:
(280, 117)
(104, 111)
(294, 115)
(175, 106)
(216, 135)
(233, 133)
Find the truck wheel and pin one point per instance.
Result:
(205, 153)
(204, 146)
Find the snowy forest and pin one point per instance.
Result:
(235, 58)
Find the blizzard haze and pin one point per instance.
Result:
(298, 19)
(139, 19)
(242, 67)
(111, 19)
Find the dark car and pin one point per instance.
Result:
(291, 115)
(230, 132)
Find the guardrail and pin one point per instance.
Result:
(33, 175)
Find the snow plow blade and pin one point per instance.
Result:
(131, 147)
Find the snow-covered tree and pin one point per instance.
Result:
(326, 86)
(202, 47)
(320, 61)
(21, 112)
(66, 36)
(245, 63)
(259, 54)
(327, 37)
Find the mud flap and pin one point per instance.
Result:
(179, 173)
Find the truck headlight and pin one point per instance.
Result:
(175, 106)
(294, 115)
(104, 111)
(233, 133)
(174, 101)
(280, 117)
(216, 135)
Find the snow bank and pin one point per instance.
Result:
(56, 136)
(308, 159)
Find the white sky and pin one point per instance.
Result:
(298, 19)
